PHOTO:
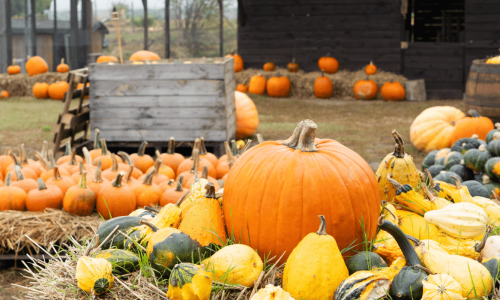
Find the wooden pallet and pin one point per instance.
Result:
(75, 121)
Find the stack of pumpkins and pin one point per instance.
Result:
(467, 148)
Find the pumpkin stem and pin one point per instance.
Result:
(73, 161)
(429, 177)
(81, 168)
(457, 182)
(429, 194)
(151, 209)
(153, 228)
(142, 148)
(429, 272)
(496, 136)
(247, 145)
(479, 247)
(157, 165)
(403, 242)
(178, 188)
(97, 143)
(195, 147)
(45, 148)
(399, 150)
(486, 179)
(83, 180)
(22, 154)
(104, 147)
(67, 151)
(41, 184)
(126, 178)
(229, 154)
(148, 179)
(16, 161)
(416, 241)
(204, 173)
(114, 167)
(384, 206)
(45, 164)
(118, 181)
(210, 191)
(303, 137)
(322, 226)
(98, 172)
(203, 150)
(474, 113)
(394, 183)
(19, 173)
(171, 146)
(88, 158)
(57, 175)
(179, 202)
(8, 179)
(7, 151)
(51, 157)
(62, 61)
(126, 158)
(497, 126)
(196, 162)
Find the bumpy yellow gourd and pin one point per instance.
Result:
(463, 191)
(443, 189)
(463, 247)
(197, 191)
(410, 200)
(472, 276)
(415, 225)
(436, 202)
(441, 287)
(459, 220)
(315, 268)
(189, 282)
(271, 292)
(491, 208)
(235, 264)
(426, 245)
(94, 275)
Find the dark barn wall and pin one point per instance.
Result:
(353, 31)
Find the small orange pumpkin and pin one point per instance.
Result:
(238, 61)
(58, 89)
(172, 195)
(105, 58)
(269, 66)
(370, 69)
(142, 161)
(147, 193)
(4, 94)
(80, 199)
(80, 87)
(392, 91)
(207, 155)
(171, 158)
(13, 69)
(116, 199)
(328, 64)
(278, 86)
(292, 66)
(469, 126)
(41, 90)
(62, 182)
(247, 118)
(365, 89)
(257, 85)
(36, 65)
(46, 196)
(62, 67)
(242, 88)
(144, 55)
(12, 197)
(27, 184)
(323, 87)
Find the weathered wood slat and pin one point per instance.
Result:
(162, 135)
(322, 9)
(156, 87)
(160, 123)
(158, 101)
(156, 72)
(161, 112)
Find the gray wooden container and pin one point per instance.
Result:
(153, 102)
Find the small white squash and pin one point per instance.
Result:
(491, 248)
(271, 292)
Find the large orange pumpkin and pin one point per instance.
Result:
(41, 90)
(323, 87)
(433, 128)
(247, 117)
(105, 58)
(257, 84)
(36, 65)
(278, 86)
(392, 91)
(57, 90)
(238, 61)
(328, 64)
(144, 55)
(276, 190)
(365, 89)
(474, 125)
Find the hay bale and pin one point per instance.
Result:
(302, 83)
(21, 85)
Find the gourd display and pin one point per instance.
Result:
(441, 287)
(41, 90)
(94, 275)
(433, 127)
(268, 66)
(115, 199)
(292, 66)
(235, 264)
(273, 160)
(400, 167)
(364, 260)
(370, 69)
(392, 91)
(271, 292)
(328, 64)
(189, 281)
(323, 87)
(365, 89)
(62, 67)
(122, 261)
(57, 90)
(278, 86)
(315, 277)
(247, 117)
(238, 61)
(257, 85)
(144, 55)
(475, 124)
(36, 65)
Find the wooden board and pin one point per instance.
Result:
(156, 87)
(158, 101)
(162, 135)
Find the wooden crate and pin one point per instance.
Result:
(153, 102)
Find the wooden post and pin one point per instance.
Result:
(116, 23)
(55, 52)
(33, 27)
(75, 41)
(8, 32)
(221, 28)
(67, 103)
(145, 4)
(167, 28)
(415, 90)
